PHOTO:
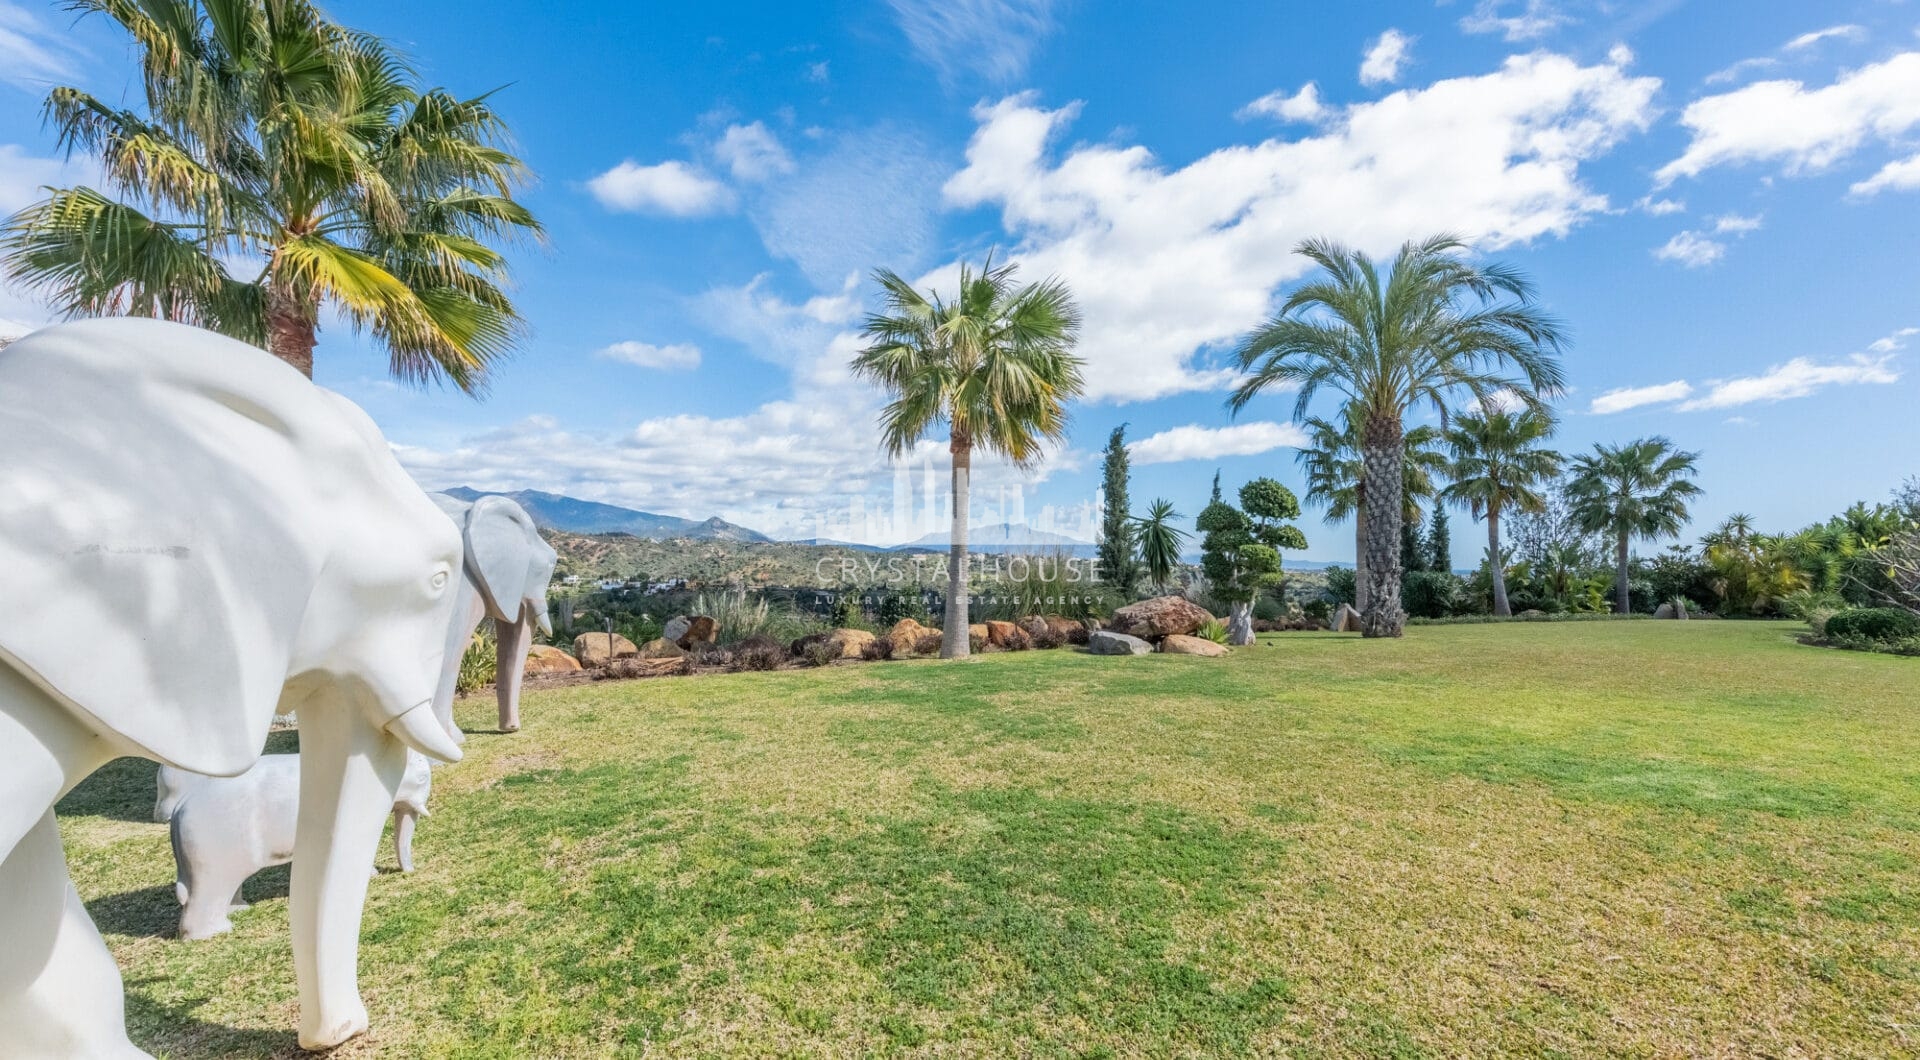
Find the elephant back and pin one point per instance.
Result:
(162, 530)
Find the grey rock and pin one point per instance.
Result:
(1106, 642)
(1346, 620)
(676, 628)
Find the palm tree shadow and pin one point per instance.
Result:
(207, 1039)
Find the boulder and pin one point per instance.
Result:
(999, 633)
(1177, 644)
(978, 631)
(905, 636)
(1106, 642)
(1671, 610)
(850, 641)
(1160, 617)
(661, 648)
(596, 650)
(547, 659)
(1346, 620)
(1531, 612)
(1033, 625)
(699, 630)
(635, 666)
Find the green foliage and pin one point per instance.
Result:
(1883, 624)
(846, 609)
(1439, 541)
(1340, 587)
(1636, 491)
(1214, 630)
(1116, 548)
(1240, 549)
(1160, 542)
(818, 651)
(271, 134)
(1432, 593)
(478, 665)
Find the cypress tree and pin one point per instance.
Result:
(1117, 562)
(1439, 541)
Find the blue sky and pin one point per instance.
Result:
(1722, 209)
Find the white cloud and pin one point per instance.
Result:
(1166, 263)
(871, 198)
(1692, 250)
(752, 153)
(1740, 69)
(1533, 20)
(1735, 224)
(672, 188)
(1194, 442)
(1659, 207)
(1903, 175)
(1385, 57)
(1633, 397)
(1808, 40)
(1802, 129)
(31, 55)
(990, 39)
(819, 73)
(677, 357)
(1303, 105)
(1895, 341)
(1796, 378)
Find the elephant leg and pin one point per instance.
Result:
(44, 752)
(213, 894)
(60, 992)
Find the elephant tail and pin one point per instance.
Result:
(182, 884)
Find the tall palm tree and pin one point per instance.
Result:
(995, 364)
(1334, 469)
(1434, 326)
(1497, 465)
(1636, 490)
(273, 138)
(1160, 542)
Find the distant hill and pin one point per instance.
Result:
(551, 511)
(1002, 538)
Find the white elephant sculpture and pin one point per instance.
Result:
(508, 567)
(228, 828)
(206, 539)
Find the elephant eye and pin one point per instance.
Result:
(439, 580)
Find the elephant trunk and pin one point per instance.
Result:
(510, 665)
(350, 774)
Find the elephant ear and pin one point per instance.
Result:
(160, 539)
(497, 533)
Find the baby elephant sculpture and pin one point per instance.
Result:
(225, 829)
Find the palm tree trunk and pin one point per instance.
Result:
(954, 642)
(1622, 600)
(1360, 557)
(292, 330)
(1383, 454)
(1500, 605)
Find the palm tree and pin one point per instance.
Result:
(1636, 490)
(1435, 326)
(1498, 465)
(1334, 470)
(1160, 542)
(277, 139)
(995, 364)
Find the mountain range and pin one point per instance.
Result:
(551, 511)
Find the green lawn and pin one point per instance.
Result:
(1582, 839)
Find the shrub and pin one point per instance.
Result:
(1018, 640)
(1079, 634)
(478, 666)
(757, 653)
(819, 652)
(1047, 639)
(1214, 630)
(1882, 624)
(879, 649)
(1318, 609)
(1340, 587)
(928, 644)
(1430, 593)
(710, 655)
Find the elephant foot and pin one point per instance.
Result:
(336, 1031)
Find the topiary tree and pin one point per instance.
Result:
(1116, 551)
(1240, 553)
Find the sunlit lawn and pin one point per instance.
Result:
(1642, 839)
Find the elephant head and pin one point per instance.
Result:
(508, 567)
(208, 539)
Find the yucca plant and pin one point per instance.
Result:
(274, 138)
